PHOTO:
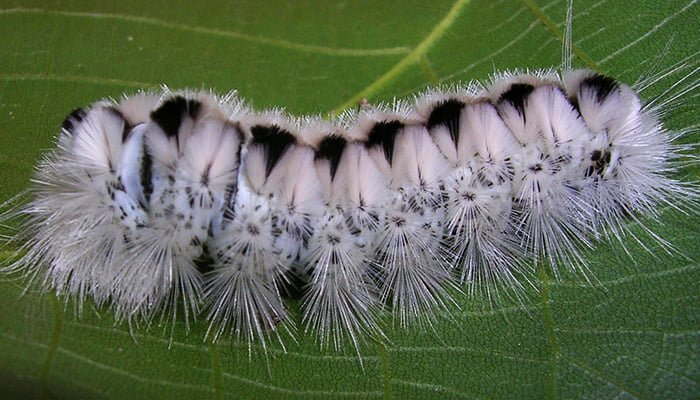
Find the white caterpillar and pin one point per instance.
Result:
(187, 198)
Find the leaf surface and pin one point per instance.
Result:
(633, 331)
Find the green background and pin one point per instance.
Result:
(632, 333)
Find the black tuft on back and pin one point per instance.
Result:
(446, 113)
(274, 140)
(601, 85)
(516, 96)
(146, 176)
(74, 117)
(169, 115)
(384, 134)
(331, 148)
(127, 125)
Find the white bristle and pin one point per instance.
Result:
(411, 265)
(341, 301)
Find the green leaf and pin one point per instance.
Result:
(633, 331)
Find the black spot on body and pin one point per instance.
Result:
(601, 85)
(352, 226)
(398, 221)
(76, 116)
(170, 114)
(118, 185)
(127, 125)
(205, 175)
(232, 187)
(332, 239)
(589, 171)
(600, 161)
(468, 196)
(146, 176)
(274, 140)
(253, 229)
(331, 149)
(447, 113)
(384, 134)
(517, 96)
(536, 168)
(374, 217)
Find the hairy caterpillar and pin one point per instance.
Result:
(391, 206)
(419, 185)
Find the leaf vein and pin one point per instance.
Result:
(75, 78)
(386, 372)
(281, 43)
(500, 50)
(203, 348)
(682, 332)
(131, 376)
(431, 387)
(457, 349)
(550, 328)
(558, 34)
(409, 59)
(605, 378)
(53, 345)
(631, 278)
(648, 33)
(314, 393)
(216, 370)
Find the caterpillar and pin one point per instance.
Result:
(168, 202)
(186, 198)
